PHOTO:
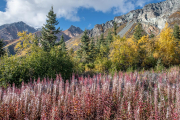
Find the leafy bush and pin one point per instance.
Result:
(42, 64)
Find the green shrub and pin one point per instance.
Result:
(41, 64)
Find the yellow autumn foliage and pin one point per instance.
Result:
(145, 50)
(25, 43)
(124, 51)
(167, 48)
(102, 63)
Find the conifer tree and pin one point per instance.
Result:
(176, 32)
(49, 31)
(63, 47)
(98, 45)
(92, 44)
(62, 44)
(138, 32)
(62, 40)
(92, 53)
(102, 41)
(2, 52)
(109, 38)
(85, 42)
(115, 28)
(84, 51)
(36, 40)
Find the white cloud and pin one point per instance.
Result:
(34, 12)
(141, 3)
(89, 25)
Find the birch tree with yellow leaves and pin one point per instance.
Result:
(26, 43)
(123, 53)
(167, 48)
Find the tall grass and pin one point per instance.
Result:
(137, 96)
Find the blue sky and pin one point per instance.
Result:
(80, 13)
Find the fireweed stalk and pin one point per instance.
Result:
(135, 95)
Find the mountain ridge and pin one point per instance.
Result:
(152, 17)
(9, 31)
(154, 14)
(73, 31)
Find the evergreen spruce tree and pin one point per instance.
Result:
(62, 44)
(109, 38)
(176, 32)
(2, 52)
(36, 40)
(62, 40)
(102, 41)
(63, 47)
(84, 52)
(49, 31)
(85, 42)
(92, 53)
(92, 44)
(115, 28)
(138, 32)
(98, 45)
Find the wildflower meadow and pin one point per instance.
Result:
(136, 96)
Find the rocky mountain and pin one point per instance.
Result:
(73, 31)
(152, 17)
(67, 34)
(9, 31)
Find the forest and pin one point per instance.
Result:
(42, 57)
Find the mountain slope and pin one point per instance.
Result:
(73, 31)
(152, 18)
(9, 31)
(154, 14)
(125, 29)
(68, 34)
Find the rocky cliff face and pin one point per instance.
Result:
(100, 28)
(73, 31)
(174, 18)
(152, 16)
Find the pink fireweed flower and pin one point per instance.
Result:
(156, 102)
